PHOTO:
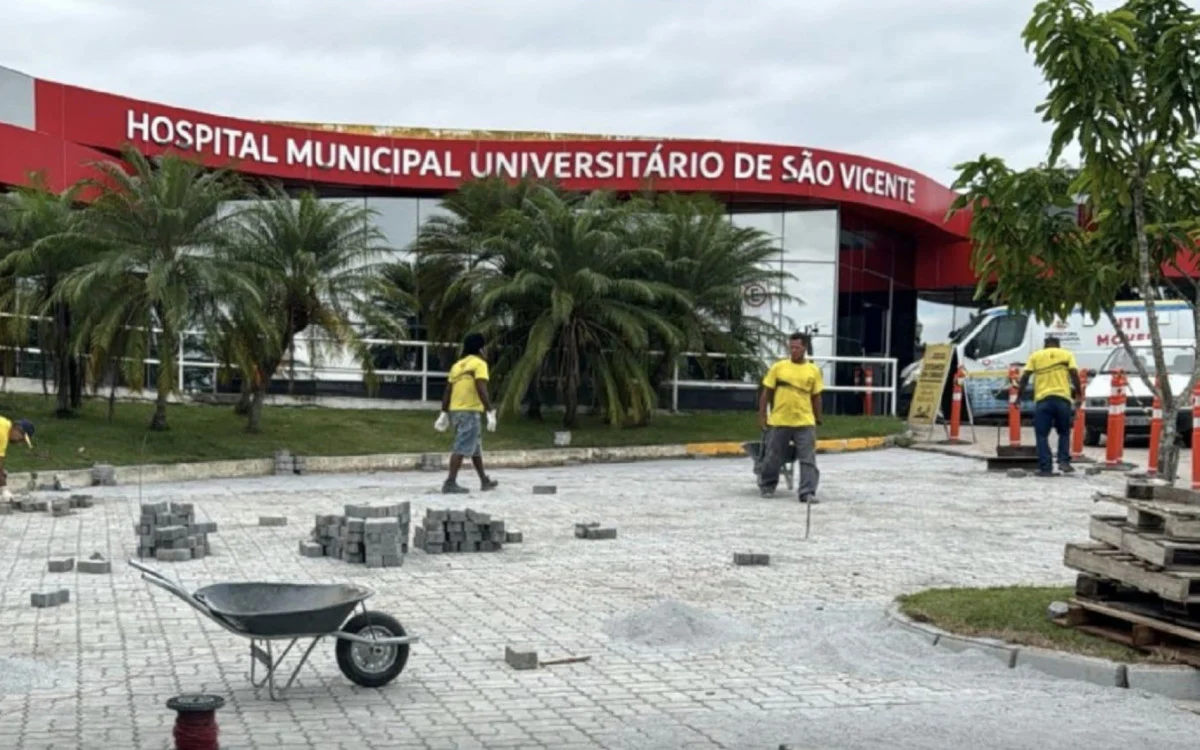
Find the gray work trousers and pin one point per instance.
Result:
(777, 439)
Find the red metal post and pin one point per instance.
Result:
(1014, 406)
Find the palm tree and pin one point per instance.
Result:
(42, 246)
(318, 265)
(713, 261)
(561, 277)
(160, 222)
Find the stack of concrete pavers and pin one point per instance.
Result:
(286, 463)
(376, 536)
(461, 531)
(61, 506)
(168, 532)
(50, 598)
(104, 474)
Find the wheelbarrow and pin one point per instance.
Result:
(757, 450)
(372, 647)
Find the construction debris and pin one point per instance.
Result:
(96, 564)
(272, 520)
(545, 489)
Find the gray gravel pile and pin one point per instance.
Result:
(673, 623)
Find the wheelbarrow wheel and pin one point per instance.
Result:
(372, 666)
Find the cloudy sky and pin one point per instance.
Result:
(922, 83)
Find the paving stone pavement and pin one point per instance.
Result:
(811, 663)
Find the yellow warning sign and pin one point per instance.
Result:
(927, 396)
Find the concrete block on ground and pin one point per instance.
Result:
(172, 555)
(609, 533)
(545, 489)
(750, 558)
(581, 529)
(272, 520)
(1178, 682)
(104, 475)
(46, 599)
(999, 651)
(514, 537)
(61, 565)
(96, 565)
(311, 549)
(522, 658)
(1072, 667)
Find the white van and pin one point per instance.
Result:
(998, 337)
(1180, 356)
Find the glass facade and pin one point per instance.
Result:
(848, 282)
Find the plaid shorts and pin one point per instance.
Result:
(468, 437)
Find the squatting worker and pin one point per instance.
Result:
(12, 432)
(1056, 390)
(792, 389)
(464, 403)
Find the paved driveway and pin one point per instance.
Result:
(687, 650)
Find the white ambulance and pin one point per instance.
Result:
(1180, 358)
(998, 337)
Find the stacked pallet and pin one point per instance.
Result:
(461, 531)
(375, 536)
(168, 532)
(1139, 576)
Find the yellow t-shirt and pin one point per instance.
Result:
(464, 373)
(1051, 369)
(5, 428)
(794, 385)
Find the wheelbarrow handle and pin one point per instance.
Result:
(152, 576)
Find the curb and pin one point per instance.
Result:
(518, 459)
(1170, 681)
(847, 445)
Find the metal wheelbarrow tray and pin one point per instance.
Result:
(371, 650)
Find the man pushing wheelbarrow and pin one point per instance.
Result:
(792, 394)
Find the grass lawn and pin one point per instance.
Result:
(214, 433)
(1016, 614)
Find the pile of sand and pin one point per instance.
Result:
(672, 623)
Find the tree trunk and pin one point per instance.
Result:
(112, 389)
(77, 373)
(244, 401)
(254, 424)
(166, 373)
(571, 389)
(1167, 444)
(62, 363)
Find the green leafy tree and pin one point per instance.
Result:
(160, 223)
(711, 261)
(1124, 90)
(41, 246)
(318, 266)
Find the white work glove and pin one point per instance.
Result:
(443, 422)
(491, 421)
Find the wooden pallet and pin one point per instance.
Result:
(1149, 489)
(1182, 586)
(1152, 547)
(1136, 629)
(1175, 521)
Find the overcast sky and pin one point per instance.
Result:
(921, 83)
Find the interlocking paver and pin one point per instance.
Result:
(815, 666)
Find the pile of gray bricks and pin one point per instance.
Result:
(168, 532)
(59, 506)
(374, 535)
(104, 474)
(286, 463)
(462, 531)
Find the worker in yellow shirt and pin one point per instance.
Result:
(20, 431)
(792, 391)
(1056, 391)
(464, 403)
